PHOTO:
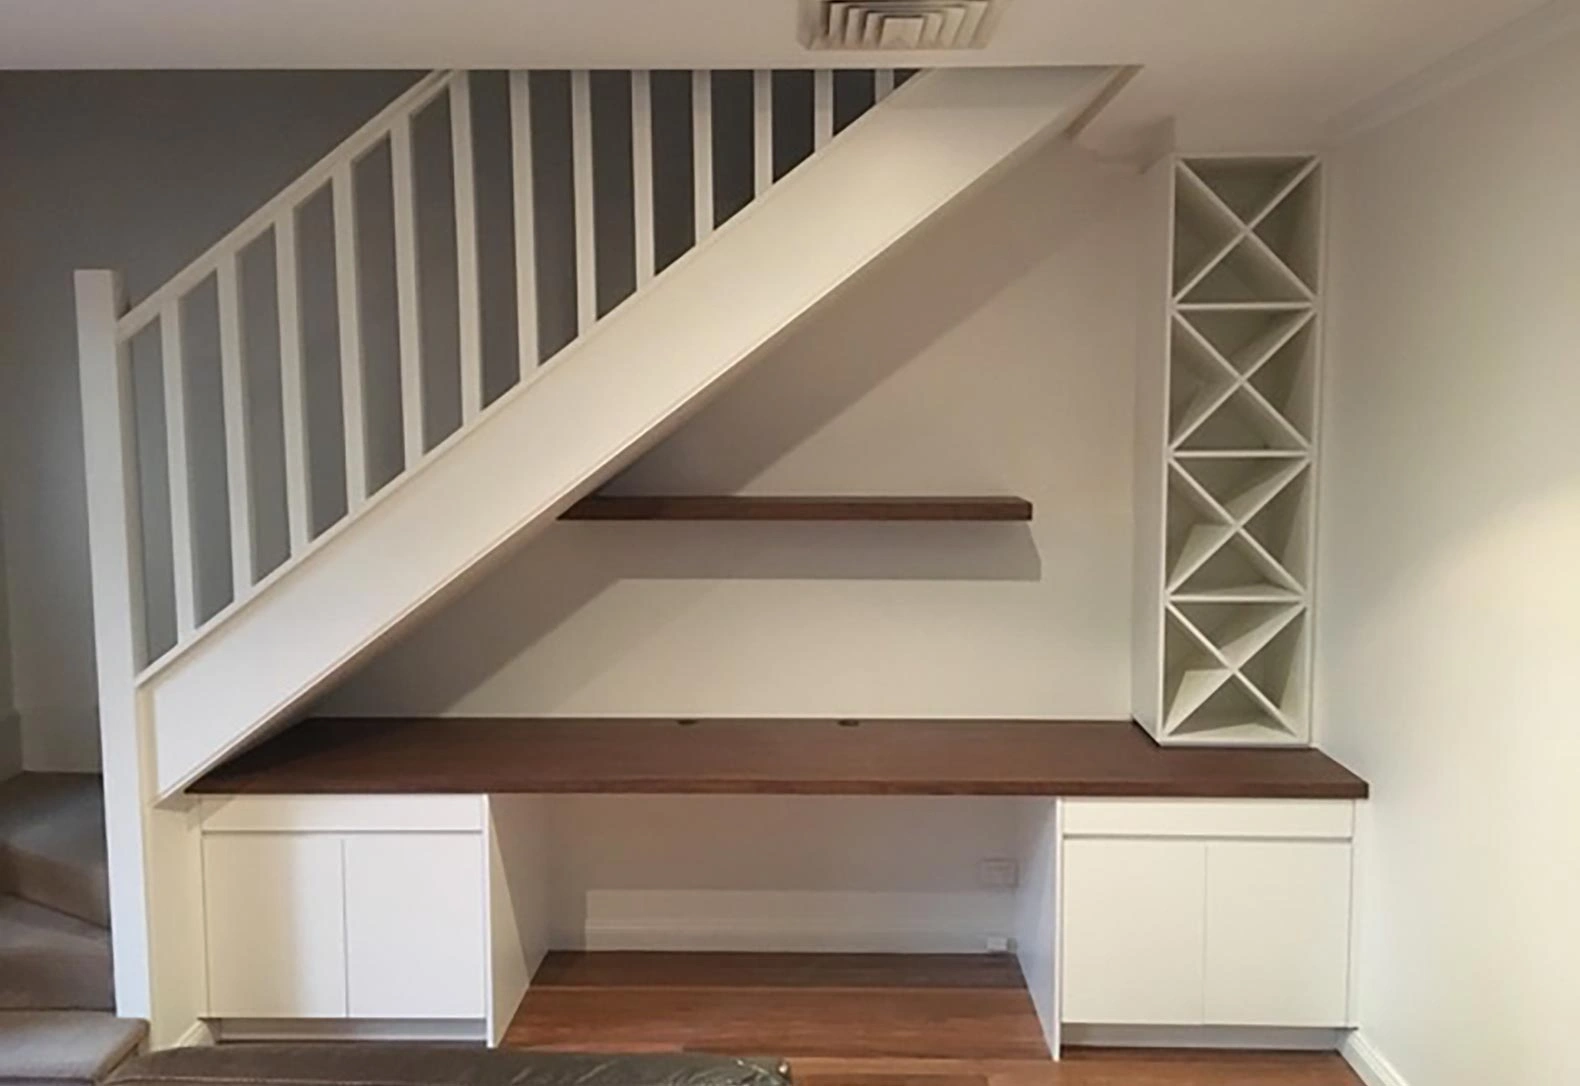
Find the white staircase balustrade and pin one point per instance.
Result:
(487, 300)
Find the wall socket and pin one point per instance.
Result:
(998, 874)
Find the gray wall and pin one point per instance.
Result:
(138, 172)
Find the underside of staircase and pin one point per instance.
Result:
(741, 203)
(57, 1021)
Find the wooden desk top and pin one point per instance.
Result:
(779, 757)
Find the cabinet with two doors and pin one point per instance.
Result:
(1206, 913)
(346, 907)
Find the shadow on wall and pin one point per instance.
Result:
(927, 287)
(10, 724)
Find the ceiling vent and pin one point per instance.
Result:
(898, 24)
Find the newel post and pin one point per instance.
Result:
(114, 553)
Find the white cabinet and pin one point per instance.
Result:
(414, 926)
(1277, 933)
(1216, 913)
(313, 911)
(1125, 959)
(275, 935)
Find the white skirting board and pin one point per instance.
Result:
(789, 920)
(1371, 1065)
(198, 1035)
(349, 1029)
(1249, 1038)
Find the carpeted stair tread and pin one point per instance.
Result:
(60, 1048)
(51, 961)
(52, 843)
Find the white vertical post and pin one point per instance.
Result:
(702, 151)
(238, 428)
(408, 302)
(642, 173)
(293, 397)
(115, 561)
(762, 130)
(468, 312)
(179, 468)
(524, 211)
(822, 108)
(882, 84)
(353, 365)
(586, 236)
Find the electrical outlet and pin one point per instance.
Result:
(1000, 944)
(998, 874)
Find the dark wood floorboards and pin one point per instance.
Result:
(856, 1020)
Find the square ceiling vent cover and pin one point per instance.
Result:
(898, 24)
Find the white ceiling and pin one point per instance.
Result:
(1233, 71)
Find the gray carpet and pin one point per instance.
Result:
(51, 961)
(52, 843)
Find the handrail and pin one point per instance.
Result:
(336, 173)
(253, 226)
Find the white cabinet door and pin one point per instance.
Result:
(414, 925)
(1133, 934)
(1278, 927)
(276, 946)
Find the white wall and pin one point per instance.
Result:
(1449, 631)
(992, 355)
(855, 873)
(135, 171)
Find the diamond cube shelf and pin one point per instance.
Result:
(1240, 419)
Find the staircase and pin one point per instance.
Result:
(57, 1019)
(483, 304)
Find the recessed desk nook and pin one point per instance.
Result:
(398, 878)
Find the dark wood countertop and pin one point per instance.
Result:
(784, 757)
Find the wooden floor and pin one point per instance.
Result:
(856, 1020)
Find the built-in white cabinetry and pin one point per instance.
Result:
(1216, 913)
(368, 908)
(275, 904)
(1227, 444)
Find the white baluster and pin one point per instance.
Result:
(586, 238)
(822, 108)
(353, 363)
(468, 311)
(179, 466)
(238, 428)
(762, 130)
(293, 398)
(524, 208)
(882, 84)
(702, 151)
(408, 300)
(642, 173)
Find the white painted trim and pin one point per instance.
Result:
(469, 319)
(1485, 55)
(283, 203)
(197, 1035)
(408, 305)
(1249, 1038)
(349, 1029)
(343, 814)
(1028, 106)
(791, 921)
(1368, 1063)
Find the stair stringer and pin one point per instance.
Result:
(597, 405)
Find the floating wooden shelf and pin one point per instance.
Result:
(734, 507)
(777, 757)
